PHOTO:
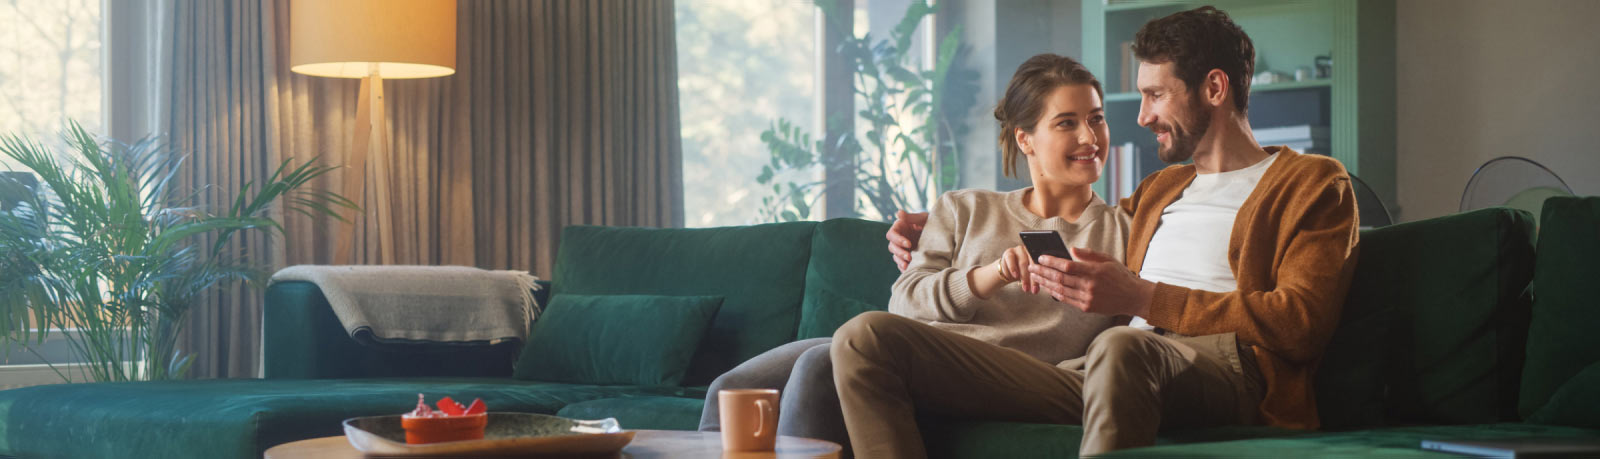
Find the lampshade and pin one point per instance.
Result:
(340, 38)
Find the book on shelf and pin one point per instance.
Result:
(1130, 69)
(1291, 133)
(1121, 160)
(1302, 138)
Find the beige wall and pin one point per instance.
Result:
(1478, 79)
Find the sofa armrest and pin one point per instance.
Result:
(302, 338)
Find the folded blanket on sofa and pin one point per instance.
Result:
(398, 304)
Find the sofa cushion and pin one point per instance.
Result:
(1566, 299)
(849, 273)
(1434, 324)
(1576, 404)
(616, 339)
(953, 438)
(1401, 442)
(240, 418)
(759, 271)
(642, 412)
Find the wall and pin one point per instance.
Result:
(1479, 79)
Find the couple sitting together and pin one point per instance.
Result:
(1205, 299)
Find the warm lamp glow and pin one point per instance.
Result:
(342, 38)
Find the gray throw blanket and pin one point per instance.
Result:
(425, 303)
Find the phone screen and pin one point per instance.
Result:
(1046, 242)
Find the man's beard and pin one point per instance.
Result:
(1184, 138)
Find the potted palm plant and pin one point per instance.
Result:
(108, 247)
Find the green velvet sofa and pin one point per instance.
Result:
(1453, 329)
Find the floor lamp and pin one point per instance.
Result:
(371, 40)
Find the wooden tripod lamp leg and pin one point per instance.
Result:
(369, 119)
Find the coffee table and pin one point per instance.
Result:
(647, 444)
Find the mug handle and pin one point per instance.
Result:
(761, 421)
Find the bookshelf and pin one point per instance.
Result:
(1353, 103)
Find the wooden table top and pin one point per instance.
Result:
(647, 444)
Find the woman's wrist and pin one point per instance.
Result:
(1000, 271)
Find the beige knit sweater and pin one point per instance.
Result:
(968, 229)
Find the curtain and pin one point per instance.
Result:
(211, 105)
(562, 112)
(574, 121)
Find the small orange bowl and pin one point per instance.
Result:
(420, 430)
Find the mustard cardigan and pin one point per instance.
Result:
(1293, 251)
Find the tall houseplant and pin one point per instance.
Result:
(910, 152)
(109, 248)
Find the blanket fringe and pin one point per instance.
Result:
(528, 283)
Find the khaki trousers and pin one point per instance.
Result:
(1131, 382)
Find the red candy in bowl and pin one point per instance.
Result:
(451, 422)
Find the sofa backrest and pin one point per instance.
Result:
(759, 270)
(1434, 325)
(850, 272)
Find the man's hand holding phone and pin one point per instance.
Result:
(1094, 282)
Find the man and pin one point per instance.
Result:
(1243, 259)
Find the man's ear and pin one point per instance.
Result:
(1215, 87)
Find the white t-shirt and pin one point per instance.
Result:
(1190, 247)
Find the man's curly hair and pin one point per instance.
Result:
(1196, 41)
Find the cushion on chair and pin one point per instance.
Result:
(1562, 339)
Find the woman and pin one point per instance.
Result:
(969, 273)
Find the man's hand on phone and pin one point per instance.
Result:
(903, 236)
(1095, 282)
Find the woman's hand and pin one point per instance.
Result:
(1013, 267)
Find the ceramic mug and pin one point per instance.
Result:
(749, 419)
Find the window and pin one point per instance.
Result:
(50, 67)
(51, 70)
(743, 65)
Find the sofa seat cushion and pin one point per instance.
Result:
(953, 438)
(240, 418)
(1390, 442)
(642, 412)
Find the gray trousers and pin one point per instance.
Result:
(802, 371)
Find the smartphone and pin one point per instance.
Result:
(1044, 243)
